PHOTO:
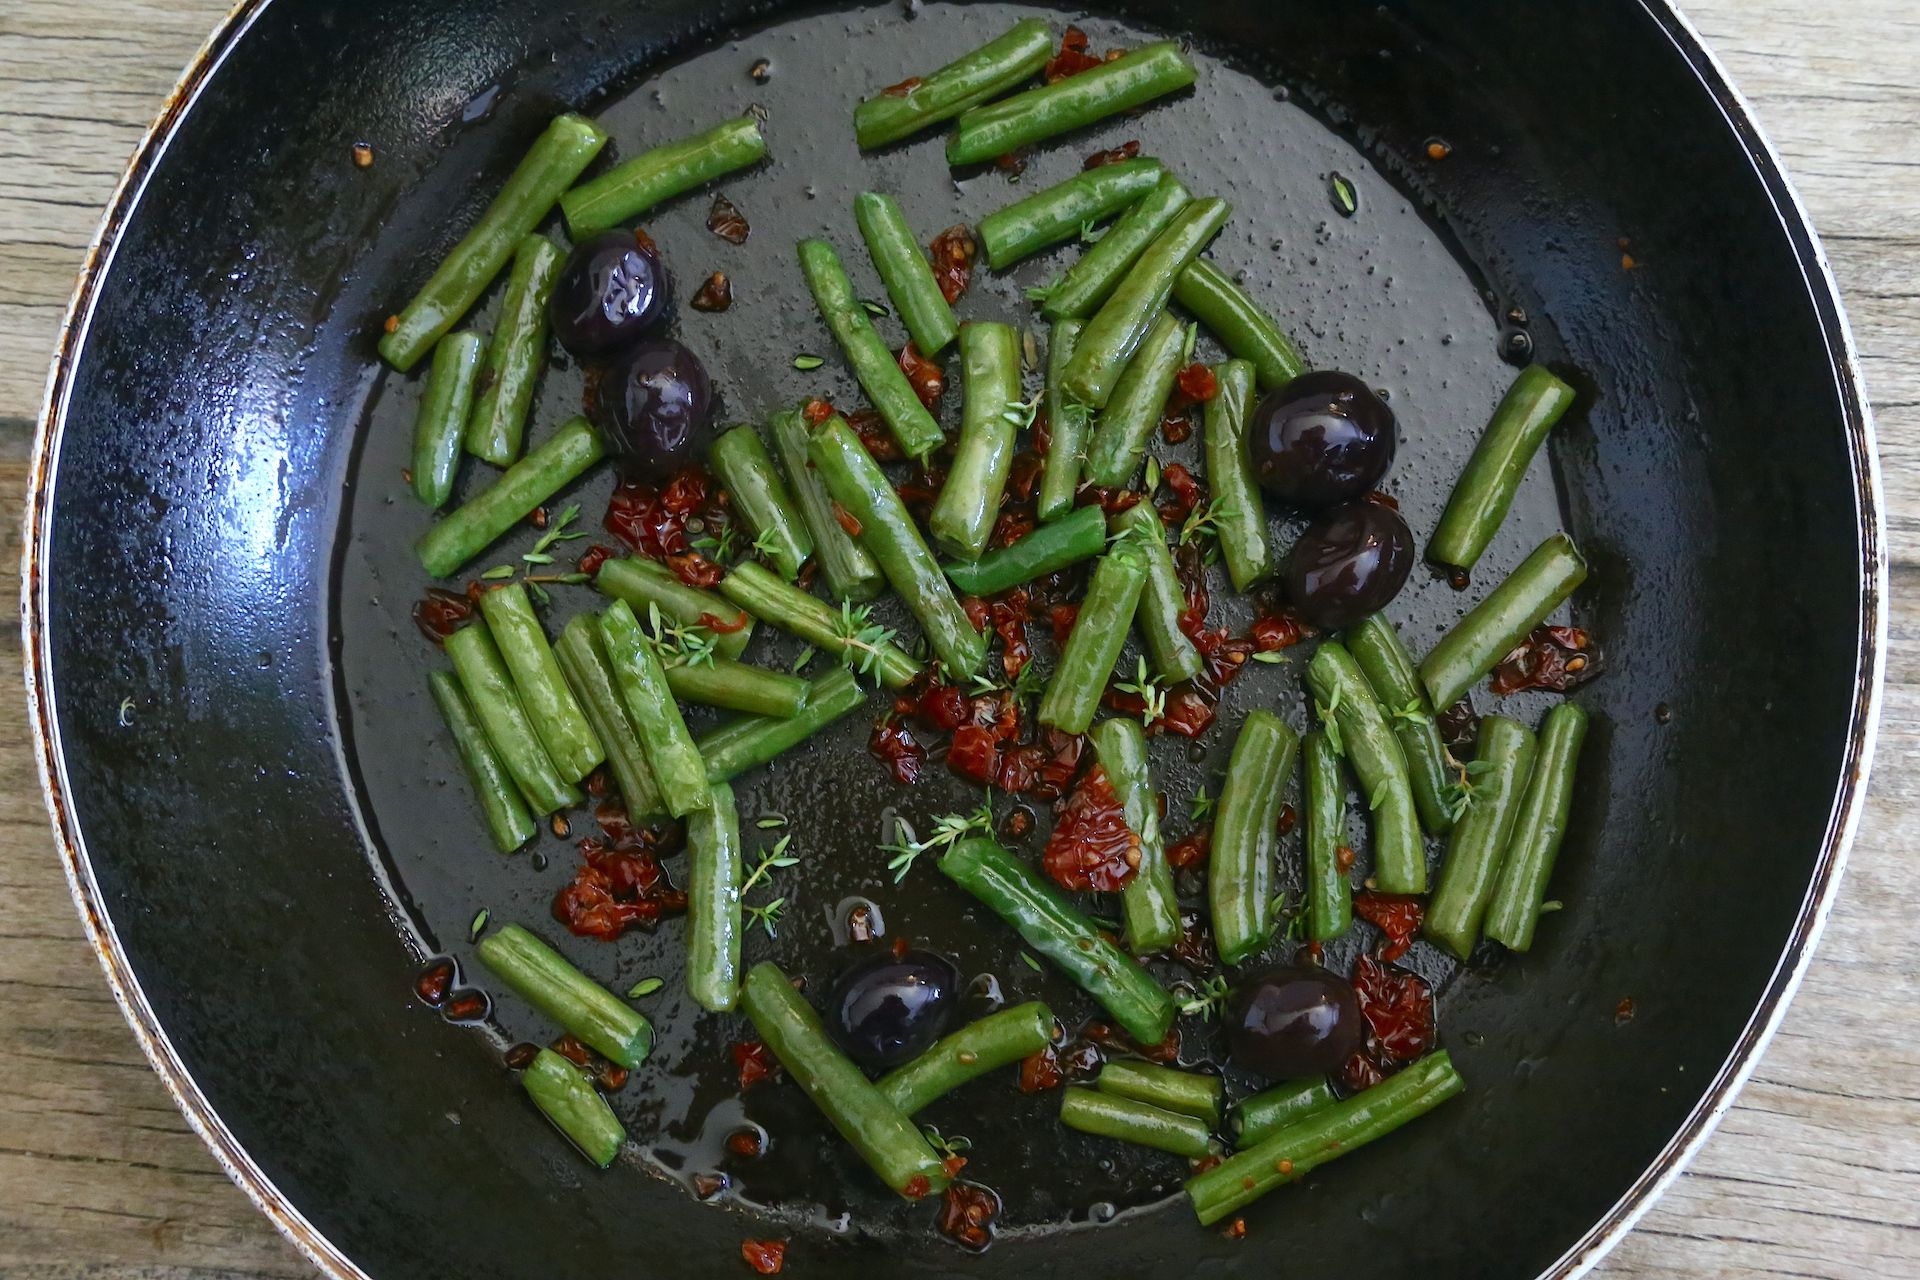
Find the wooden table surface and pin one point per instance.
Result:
(1816, 1172)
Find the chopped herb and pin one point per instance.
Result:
(772, 822)
(556, 532)
(645, 987)
(1200, 806)
(807, 362)
(1153, 475)
(479, 924)
(1090, 233)
(538, 592)
(947, 1147)
(1149, 690)
(767, 917)
(1042, 292)
(1411, 713)
(1207, 998)
(1346, 197)
(1270, 657)
(801, 660)
(498, 572)
(1020, 413)
(875, 308)
(1030, 962)
(1551, 905)
(689, 645)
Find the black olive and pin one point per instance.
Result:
(610, 292)
(1321, 439)
(1289, 1023)
(650, 404)
(890, 1009)
(1349, 563)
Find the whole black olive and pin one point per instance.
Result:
(1321, 439)
(1289, 1023)
(890, 1009)
(1349, 563)
(650, 404)
(610, 292)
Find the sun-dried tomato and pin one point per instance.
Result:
(926, 378)
(1073, 57)
(1014, 524)
(725, 626)
(1125, 151)
(846, 520)
(746, 1142)
(1061, 618)
(1187, 493)
(892, 743)
(875, 436)
(816, 411)
(754, 1062)
(1176, 426)
(728, 222)
(616, 888)
(1556, 658)
(1091, 846)
(1398, 1008)
(917, 1187)
(1013, 163)
(440, 613)
(1024, 475)
(1191, 850)
(1111, 501)
(1188, 712)
(902, 89)
(967, 1211)
(696, 570)
(434, 982)
(715, 293)
(953, 252)
(1008, 618)
(1271, 633)
(593, 557)
(1040, 1071)
(1396, 915)
(1064, 754)
(1114, 1040)
(765, 1256)
(653, 521)
(1195, 384)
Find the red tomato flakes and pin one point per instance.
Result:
(1396, 915)
(765, 1256)
(1091, 846)
(953, 252)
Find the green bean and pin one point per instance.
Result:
(1388, 666)
(564, 1096)
(1064, 210)
(1094, 644)
(880, 375)
(1121, 432)
(556, 158)
(850, 572)
(507, 817)
(1162, 599)
(751, 741)
(443, 415)
(1192, 1093)
(714, 873)
(1051, 925)
(542, 977)
(1148, 903)
(1144, 74)
(1493, 627)
(1240, 869)
(721, 682)
(1239, 515)
(1484, 492)
(583, 661)
(647, 584)
(489, 687)
(1048, 549)
(1106, 1115)
(904, 269)
(839, 632)
(1088, 281)
(1257, 1118)
(676, 762)
(963, 515)
(550, 704)
(986, 73)
(1328, 892)
(1119, 327)
(1223, 307)
(1537, 830)
(760, 496)
(1479, 842)
(1327, 1134)
(885, 1138)
(516, 355)
(474, 526)
(1066, 425)
(888, 533)
(628, 190)
(997, 1040)
(1345, 701)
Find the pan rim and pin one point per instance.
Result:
(1599, 1239)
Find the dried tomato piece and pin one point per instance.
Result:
(728, 222)
(754, 1062)
(1091, 846)
(1272, 632)
(1125, 151)
(1191, 850)
(816, 411)
(1176, 428)
(953, 252)
(1040, 1071)
(616, 888)
(696, 570)
(653, 521)
(1187, 493)
(434, 982)
(725, 626)
(904, 88)
(1073, 57)
(926, 378)
(593, 557)
(967, 1211)
(892, 743)
(715, 293)
(1196, 384)
(1115, 1040)
(1556, 658)
(846, 520)
(1396, 915)
(1398, 1008)
(440, 613)
(765, 1256)
(875, 436)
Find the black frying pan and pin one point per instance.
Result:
(267, 835)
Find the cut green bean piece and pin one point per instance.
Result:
(904, 269)
(751, 741)
(1118, 329)
(714, 874)
(559, 155)
(566, 1097)
(1146, 73)
(489, 688)
(516, 355)
(997, 1040)
(1050, 548)
(1067, 424)
(1148, 905)
(963, 515)
(1093, 646)
(1241, 870)
(1223, 308)
(676, 762)
(1107, 1115)
(1192, 1093)
(1239, 514)
(885, 1138)
(647, 584)
(1344, 700)
(544, 979)
(880, 375)
(1258, 1118)
(628, 190)
(1121, 432)
(760, 496)
(1328, 891)
(1064, 210)
(1503, 763)
(1088, 281)
(1054, 928)
(476, 525)
(550, 704)
(1484, 492)
(850, 572)
(1537, 830)
(1493, 627)
(841, 632)
(1389, 669)
(1162, 598)
(721, 682)
(444, 406)
(507, 817)
(583, 661)
(986, 73)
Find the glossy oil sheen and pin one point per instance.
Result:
(280, 834)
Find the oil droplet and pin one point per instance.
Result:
(1516, 346)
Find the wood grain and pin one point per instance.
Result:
(1815, 1173)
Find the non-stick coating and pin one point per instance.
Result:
(227, 577)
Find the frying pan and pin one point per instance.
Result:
(266, 836)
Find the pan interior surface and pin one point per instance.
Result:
(277, 833)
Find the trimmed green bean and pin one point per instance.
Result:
(1384, 660)
(1329, 893)
(997, 1040)
(1106, 1115)
(569, 1100)
(1484, 492)
(880, 375)
(1239, 513)
(556, 715)
(516, 355)
(783, 605)
(475, 525)
(722, 682)
(628, 190)
(676, 762)
(1119, 327)
(1479, 842)
(885, 1138)
(1493, 627)
(714, 873)
(488, 684)
(1067, 424)
(444, 406)
(647, 584)
(507, 817)
(556, 158)
(890, 536)
(1062, 211)
(1192, 1093)
(751, 741)
(1093, 646)
(760, 496)
(1148, 905)
(1089, 280)
(1050, 548)
(1121, 432)
(969, 502)
(1345, 701)
(1240, 869)
(1053, 927)
(850, 572)
(542, 977)
(583, 661)
(904, 269)
(1223, 308)
(1146, 73)
(1257, 1118)
(1162, 599)
(1537, 830)
(986, 73)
